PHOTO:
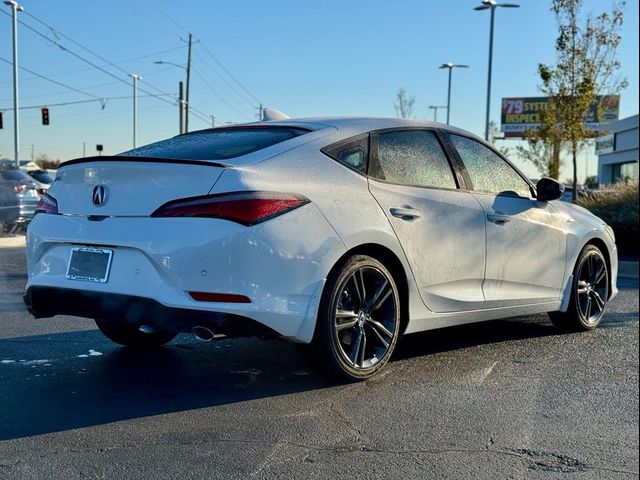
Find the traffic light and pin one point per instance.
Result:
(45, 115)
(1, 124)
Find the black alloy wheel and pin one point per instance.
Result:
(359, 318)
(589, 294)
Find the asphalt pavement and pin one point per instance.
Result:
(505, 399)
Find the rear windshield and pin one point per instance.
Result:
(221, 144)
(42, 177)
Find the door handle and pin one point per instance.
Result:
(498, 218)
(405, 213)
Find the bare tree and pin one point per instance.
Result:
(404, 104)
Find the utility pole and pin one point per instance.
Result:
(260, 111)
(84, 149)
(15, 8)
(180, 107)
(435, 111)
(186, 113)
(213, 121)
(135, 105)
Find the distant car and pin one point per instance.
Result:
(20, 193)
(343, 233)
(42, 178)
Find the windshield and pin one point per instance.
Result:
(221, 144)
(42, 177)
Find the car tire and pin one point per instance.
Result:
(358, 320)
(132, 336)
(589, 292)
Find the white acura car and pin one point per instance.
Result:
(340, 232)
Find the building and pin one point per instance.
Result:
(618, 151)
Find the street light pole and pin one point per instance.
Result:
(491, 4)
(15, 8)
(184, 102)
(435, 111)
(181, 107)
(186, 112)
(135, 105)
(450, 66)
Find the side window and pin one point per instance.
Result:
(354, 152)
(412, 157)
(489, 173)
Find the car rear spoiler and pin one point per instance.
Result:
(122, 158)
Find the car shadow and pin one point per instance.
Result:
(64, 381)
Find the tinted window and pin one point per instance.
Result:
(221, 144)
(413, 157)
(489, 173)
(42, 177)
(353, 152)
(14, 175)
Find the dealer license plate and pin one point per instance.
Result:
(89, 264)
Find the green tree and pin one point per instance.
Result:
(540, 153)
(586, 64)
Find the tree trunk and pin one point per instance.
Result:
(554, 165)
(574, 149)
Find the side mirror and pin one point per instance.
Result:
(549, 189)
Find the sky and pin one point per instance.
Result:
(304, 58)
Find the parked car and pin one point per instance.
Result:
(340, 233)
(19, 198)
(42, 178)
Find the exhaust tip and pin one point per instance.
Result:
(202, 333)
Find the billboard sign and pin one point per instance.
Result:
(520, 114)
(605, 144)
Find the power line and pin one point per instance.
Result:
(239, 93)
(89, 62)
(69, 87)
(80, 70)
(224, 100)
(167, 16)
(186, 30)
(219, 63)
(77, 102)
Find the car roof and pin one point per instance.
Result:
(356, 125)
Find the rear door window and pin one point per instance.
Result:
(412, 157)
(217, 144)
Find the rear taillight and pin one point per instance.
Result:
(47, 204)
(42, 190)
(20, 188)
(246, 208)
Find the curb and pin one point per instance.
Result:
(13, 241)
(628, 269)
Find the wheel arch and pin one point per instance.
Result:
(391, 261)
(602, 246)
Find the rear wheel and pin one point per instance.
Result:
(132, 336)
(359, 319)
(589, 292)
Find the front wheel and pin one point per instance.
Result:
(359, 319)
(589, 293)
(132, 336)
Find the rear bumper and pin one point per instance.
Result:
(280, 265)
(44, 302)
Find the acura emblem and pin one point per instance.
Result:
(100, 194)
